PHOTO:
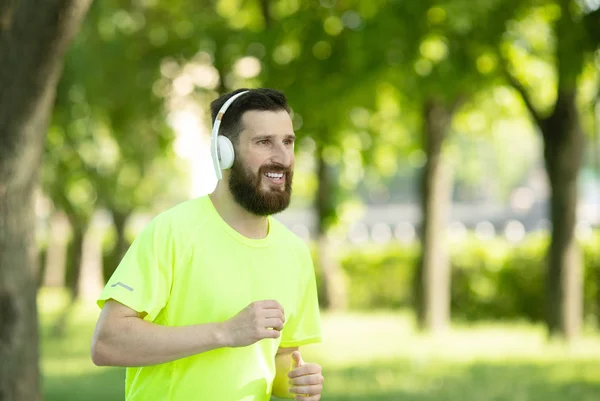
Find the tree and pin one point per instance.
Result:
(110, 144)
(440, 60)
(575, 35)
(34, 37)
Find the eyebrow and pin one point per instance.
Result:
(262, 137)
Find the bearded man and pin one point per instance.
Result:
(214, 297)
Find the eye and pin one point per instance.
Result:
(289, 142)
(263, 142)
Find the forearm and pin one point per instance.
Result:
(134, 342)
(281, 384)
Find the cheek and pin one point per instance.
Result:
(251, 164)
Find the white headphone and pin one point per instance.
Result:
(221, 147)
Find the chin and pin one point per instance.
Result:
(270, 188)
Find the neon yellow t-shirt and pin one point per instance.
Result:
(190, 267)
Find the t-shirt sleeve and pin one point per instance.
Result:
(142, 281)
(305, 327)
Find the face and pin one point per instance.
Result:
(260, 179)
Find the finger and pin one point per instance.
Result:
(270, 304)
(266, 333)
(316, 397)
(306, 369)
(273, 313)
(274, 323)
(307, 390)
(297, 359)
(307, 380)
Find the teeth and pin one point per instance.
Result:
(274, 175)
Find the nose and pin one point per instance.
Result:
(283, 155)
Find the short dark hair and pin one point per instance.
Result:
(256, 99)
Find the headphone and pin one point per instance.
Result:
(221, 147)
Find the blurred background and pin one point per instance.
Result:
(447, 181)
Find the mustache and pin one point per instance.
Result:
(278, 168)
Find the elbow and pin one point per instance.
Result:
(100, 353)
(98, 357)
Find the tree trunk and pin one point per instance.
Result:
(19, 374)
(75, 258)
(33, 39)
(433, 273)
(563, 151)
(90, 281)
(121, 244)
(596, 148)
(597, 308)
(333, 277)
(56, 251)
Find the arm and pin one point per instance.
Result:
(123, 338)
(283, 361)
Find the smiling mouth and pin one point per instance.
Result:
(276, 178)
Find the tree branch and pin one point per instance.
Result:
(514, 82)
(591, 22)
(264, 5)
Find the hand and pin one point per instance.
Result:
(306, 379)
(259, 320)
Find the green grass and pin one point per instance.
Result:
(374, 357)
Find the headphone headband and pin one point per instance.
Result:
(215, 133)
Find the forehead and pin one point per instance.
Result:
(261, 122)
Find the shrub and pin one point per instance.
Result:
(490, 279)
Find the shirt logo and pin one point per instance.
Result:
(122, 285)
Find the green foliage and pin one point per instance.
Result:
(356, 74)
(490, 279)
(375, 273)
(109, 144)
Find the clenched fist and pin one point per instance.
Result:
(259, 320)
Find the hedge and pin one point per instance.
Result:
(490, 279)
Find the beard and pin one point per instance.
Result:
(247, 191)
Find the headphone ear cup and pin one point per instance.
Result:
(225, 151)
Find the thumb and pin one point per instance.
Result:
(297, 359)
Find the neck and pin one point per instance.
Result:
(244, 222)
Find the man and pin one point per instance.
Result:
(214, 297)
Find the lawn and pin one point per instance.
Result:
(368, 357)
